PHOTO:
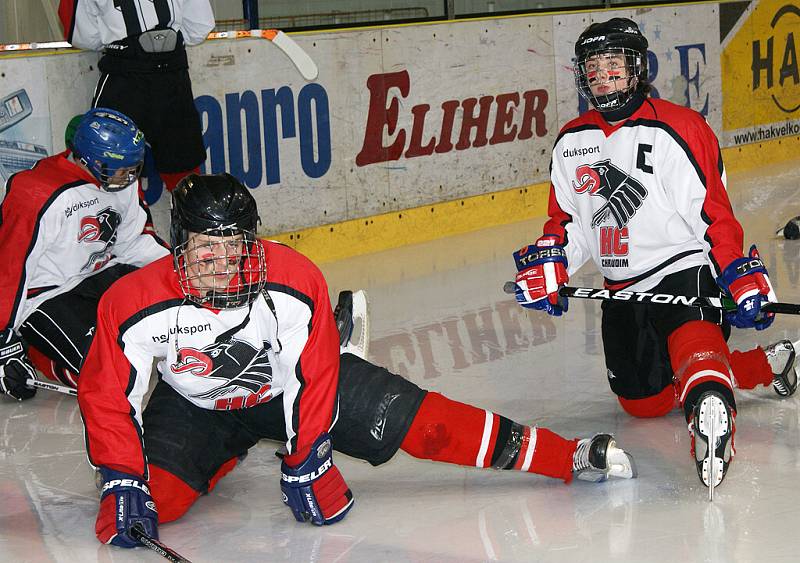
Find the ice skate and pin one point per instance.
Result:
(599, 458)
(352, 321)
(781, 357)
(712, 423)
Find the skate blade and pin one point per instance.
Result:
(713, 424)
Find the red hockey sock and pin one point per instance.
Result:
(50, 369)
(553, 455)
(650, 407)
(751, 369)
(173, 496)
(452, 432)
(699, 355)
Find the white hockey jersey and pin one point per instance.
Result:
(58, 227)
(92, 24)
(644, 198)
(290, 354)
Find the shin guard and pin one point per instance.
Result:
(699, 357)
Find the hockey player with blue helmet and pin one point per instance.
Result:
(70, 227)
(110, 145)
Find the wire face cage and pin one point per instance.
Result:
(221, 269)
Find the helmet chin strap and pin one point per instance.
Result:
(628, 109)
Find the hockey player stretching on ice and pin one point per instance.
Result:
(649, 206)
(69, 228)
(249, 349)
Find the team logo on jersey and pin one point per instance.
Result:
(623, 193)
(100, 228)
(237, 365)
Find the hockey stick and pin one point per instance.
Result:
(137, 532)
(33, 46)
(51, 386)
(661, 298)
(301, 60)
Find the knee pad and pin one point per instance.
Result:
(650, 407)
(699, 355)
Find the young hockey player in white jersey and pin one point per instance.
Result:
(249, 349)
(69, 228)
(638, 186)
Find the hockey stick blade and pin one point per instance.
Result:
(661, 299)
(137, 532)
(51, 387)
(300, 59)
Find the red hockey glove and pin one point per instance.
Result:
(542, 271)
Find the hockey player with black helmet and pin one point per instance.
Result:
(248, 349)
(650, 208)
(69, 227)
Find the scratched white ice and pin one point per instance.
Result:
(440, 318)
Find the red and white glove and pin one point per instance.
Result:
(541, 272)
(746, 281)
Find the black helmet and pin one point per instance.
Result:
(617, 36)
(223, 212)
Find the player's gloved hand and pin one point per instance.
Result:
(746, 281)
(314, 488)
(15, 367)
(125, 500)
(541, 272)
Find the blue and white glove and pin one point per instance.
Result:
(314, 489)
(541, 272)
(125, 500)
(15, 367)
(746, 281)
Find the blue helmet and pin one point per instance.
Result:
(111, 146)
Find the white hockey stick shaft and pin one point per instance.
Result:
(301, 60)
(51, 387)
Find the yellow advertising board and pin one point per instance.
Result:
(760, 73)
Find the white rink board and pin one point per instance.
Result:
(381, 129)
(362, 75)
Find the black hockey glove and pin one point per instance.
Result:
(15, 367)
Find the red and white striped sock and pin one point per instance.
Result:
(452, 432)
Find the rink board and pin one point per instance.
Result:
(407, 129)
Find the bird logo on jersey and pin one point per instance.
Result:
(100, 228)
(623, 193)
(236, 364)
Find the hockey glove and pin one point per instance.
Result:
(15, 367)
(542, 271)
(124, 501)
(746, 281)
(315, 489)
